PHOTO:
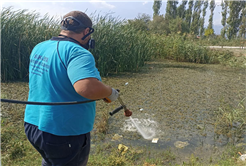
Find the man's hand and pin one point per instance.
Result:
(114, 95)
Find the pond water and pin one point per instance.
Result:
(176, 102)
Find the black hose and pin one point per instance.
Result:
(46, 103)
(57, 103)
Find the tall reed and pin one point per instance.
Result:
(20, 32)
(119, 47)
(177, 47)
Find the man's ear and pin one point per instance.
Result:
(86, 31)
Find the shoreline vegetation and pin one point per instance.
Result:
(117, 42)
(123, 52)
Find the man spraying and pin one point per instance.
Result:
(61, 70)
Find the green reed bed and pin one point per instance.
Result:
(180, 48)
(20, 32)
(119, 47)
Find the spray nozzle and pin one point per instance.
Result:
(123, 106)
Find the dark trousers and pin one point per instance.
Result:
(59, 150)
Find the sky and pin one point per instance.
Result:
(122, 9)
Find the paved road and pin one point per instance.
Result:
(226, 47)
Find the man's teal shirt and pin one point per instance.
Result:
(51, 79)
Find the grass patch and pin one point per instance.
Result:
(231, 121)
(109, 154)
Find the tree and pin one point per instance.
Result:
(210, 21)
(242, 27)
(181, 9)
(178, 25)
(188, 13)
(141, 22)
(224, 5)
(234, 18)
(159, 25)
(156, 7)
(209, 32)
(171, 9)
(205, 6)
(195, 24)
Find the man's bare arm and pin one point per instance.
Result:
(92, 88)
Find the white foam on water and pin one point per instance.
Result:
(145, 127)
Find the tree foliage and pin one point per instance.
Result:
(156, 7)
(209, 32)
(242, 27)
(188, 16)
(224, 5)
(171, 9)
(202, 20)
(159, 25)
(188, 13)
(212, 7)
(195, 24)
(178, 26)
(234, 19)
(181, 9)
(141, 22)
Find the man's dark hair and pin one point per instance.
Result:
(82, 17)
